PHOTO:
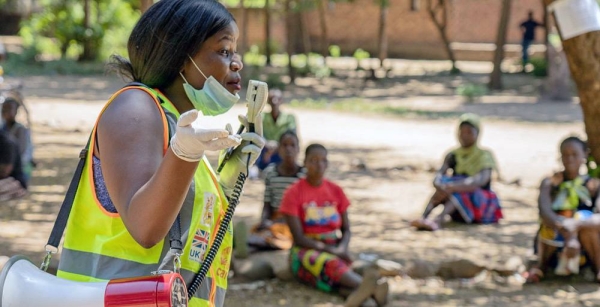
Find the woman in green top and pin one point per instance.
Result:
(463, 182)
(275, 124)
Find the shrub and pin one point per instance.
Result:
(335, 51)
(540, 67)
(471, 91)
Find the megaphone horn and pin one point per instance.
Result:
(22, 284)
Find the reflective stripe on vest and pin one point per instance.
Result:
(97, 245)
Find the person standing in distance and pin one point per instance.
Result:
(528, 30)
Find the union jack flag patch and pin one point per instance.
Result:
(199, 245)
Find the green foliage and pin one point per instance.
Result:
(253, 57)
(247, 3)
(360, 54)
(274, 45)
(118, 19)
(275, 81)
(555, 40)
(383, 3)
(313, 64)
(58, 28)
(540, 66)
(471, 91)
(301, 60)
(335, 51)
(304, 65)
(321, 72)
(22, 64)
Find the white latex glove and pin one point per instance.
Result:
(252, 144)
(190, 141)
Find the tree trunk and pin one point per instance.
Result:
(244, 30)
(433, 7)
(268, 51)
(414, 5)
(98, 15)
(584, 63)
(546, 32)
(88, 53)
(306, 38)
(383, 41)
(145, 5)
(289, 47)
(321, 4)
(496, 76)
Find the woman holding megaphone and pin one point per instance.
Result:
(146, 176)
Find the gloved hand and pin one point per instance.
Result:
(190, 141)
(252, 144)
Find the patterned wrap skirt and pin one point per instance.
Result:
(480, 206)
(318, 269)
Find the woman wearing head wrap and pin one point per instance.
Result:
(569, 221)
(463, 182)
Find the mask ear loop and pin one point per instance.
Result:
(184, 79)
(198, 68)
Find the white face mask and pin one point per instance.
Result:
(213, 99)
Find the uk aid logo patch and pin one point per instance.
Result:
(199, 245)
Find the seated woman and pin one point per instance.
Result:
(275, 123)
(19, 132)
(465, 193)
(316, 212)
(273, 233)
(569, 222)
(12, 179)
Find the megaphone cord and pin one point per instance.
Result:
(233, 200)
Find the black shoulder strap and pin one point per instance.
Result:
(65, 208)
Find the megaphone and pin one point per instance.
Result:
(22, 284)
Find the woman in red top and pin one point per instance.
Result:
(316, 212)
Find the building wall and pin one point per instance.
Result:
(411, 34)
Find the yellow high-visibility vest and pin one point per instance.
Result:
(97, 245)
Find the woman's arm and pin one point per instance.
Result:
(267, 213)
(469, 184)
(147, 188)
(346, 234)
(442, 171)
(22, 137)
(300, 239)
(549, 217)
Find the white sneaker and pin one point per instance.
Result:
(567, 266)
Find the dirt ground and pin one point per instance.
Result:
(399, 154)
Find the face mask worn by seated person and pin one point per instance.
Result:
(213, 99)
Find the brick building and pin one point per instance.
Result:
(472, 27)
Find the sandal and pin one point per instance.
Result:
(425, 224)
(534, 276)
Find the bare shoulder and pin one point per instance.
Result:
(546, 182)
(131, 108)
(593, 185)
(132, 121)
(133, 103)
